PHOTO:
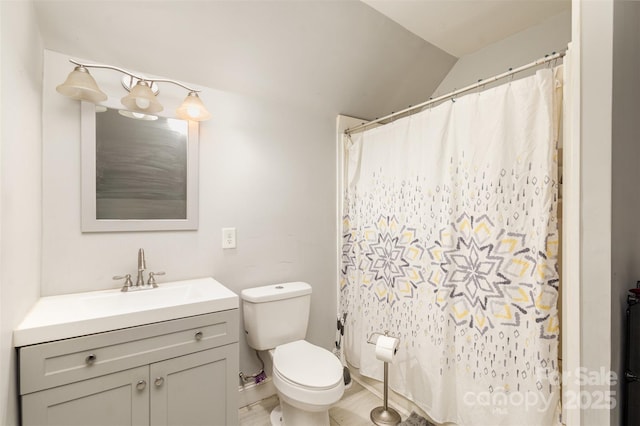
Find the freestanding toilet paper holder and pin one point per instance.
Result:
(385, 415)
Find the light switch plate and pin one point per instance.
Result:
(228, 238)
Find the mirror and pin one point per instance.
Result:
(139, 172)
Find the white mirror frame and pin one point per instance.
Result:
(88, 165)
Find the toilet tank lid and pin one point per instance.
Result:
(273, 292)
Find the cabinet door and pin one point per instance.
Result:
(115, 399)
(197, 389)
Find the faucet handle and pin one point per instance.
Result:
(152, 280)
(127, 283)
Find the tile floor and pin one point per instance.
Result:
(352, 410)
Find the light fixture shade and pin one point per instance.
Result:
(81, 86)
(141, 99)
(137, 115)
(193, 109)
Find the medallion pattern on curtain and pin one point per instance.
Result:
(450, 241)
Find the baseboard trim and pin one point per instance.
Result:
(252, 393)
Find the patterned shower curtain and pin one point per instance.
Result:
(450, 242)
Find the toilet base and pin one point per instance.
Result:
(288, 415)
(276, 416)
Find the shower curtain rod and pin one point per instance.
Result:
(453, 94)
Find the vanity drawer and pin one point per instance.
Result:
(57, 363)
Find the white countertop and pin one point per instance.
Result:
(79, 314)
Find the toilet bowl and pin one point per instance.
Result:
(308, 378)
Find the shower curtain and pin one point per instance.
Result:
(450, 243)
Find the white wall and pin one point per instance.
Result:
(20, 188)
(551, 35)
(265, 168)
(625, 239)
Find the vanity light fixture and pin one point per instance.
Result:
(193, 107)
(81, 86)
(142, 97)
(136, 115)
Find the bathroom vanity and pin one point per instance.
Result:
(171, 361)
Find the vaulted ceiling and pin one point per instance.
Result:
(332, 55)
(461, 27)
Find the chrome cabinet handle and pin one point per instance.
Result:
(199, 335)
(159, 381)
(141, 385)
(90, 359)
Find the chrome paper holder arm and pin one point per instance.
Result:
(373, 337)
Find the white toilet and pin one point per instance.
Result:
(308, 378)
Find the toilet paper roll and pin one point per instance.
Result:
(386, 348)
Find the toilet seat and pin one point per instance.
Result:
(307, 376)
(303, 364)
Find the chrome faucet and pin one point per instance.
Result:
(142, 265)
(140, 284)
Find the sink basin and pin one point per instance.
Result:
(71, 315)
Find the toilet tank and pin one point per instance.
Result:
(275, 314)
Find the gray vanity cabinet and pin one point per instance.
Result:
(186, 390)
(103, 401)
(178, 372)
